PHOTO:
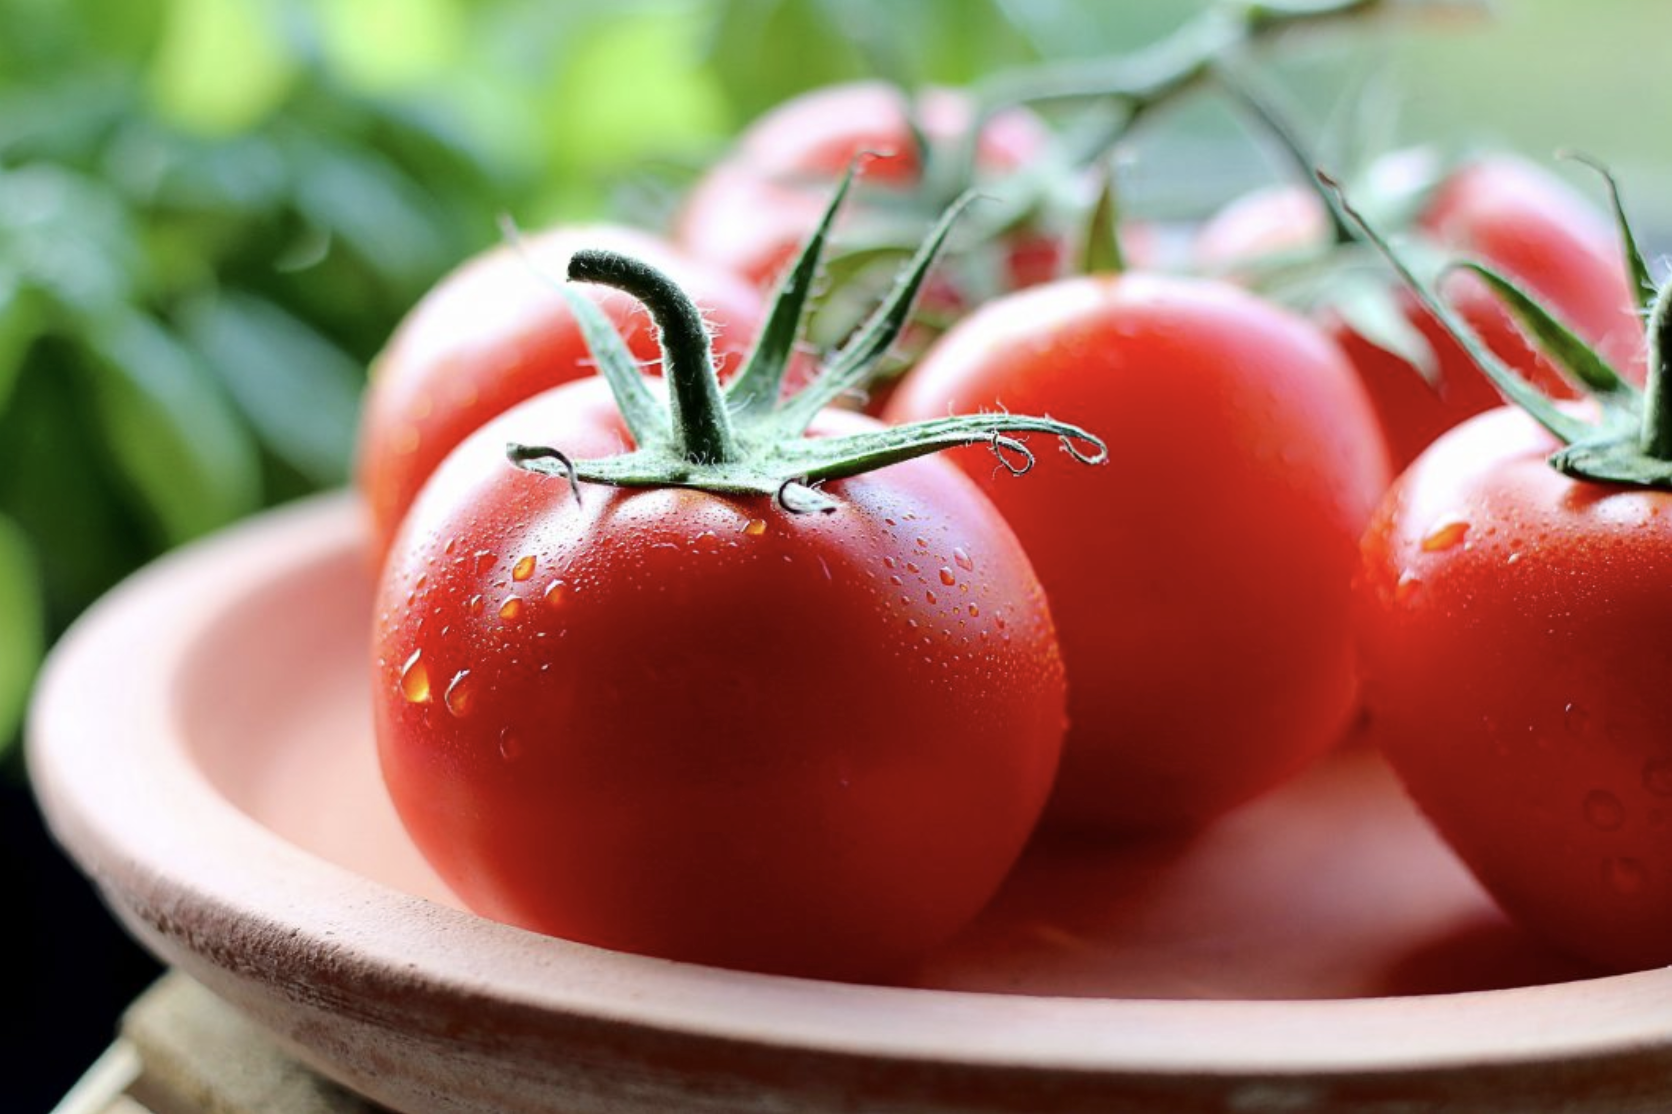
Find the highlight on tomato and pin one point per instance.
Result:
(1499, 208)
(679, 680)
(494, 333)
(1513, 604)
(1201, 593)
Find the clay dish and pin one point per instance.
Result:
(201, 745)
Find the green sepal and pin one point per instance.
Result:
(641, 411)
(1616, 458)
(1583, 363)
(1642, 283)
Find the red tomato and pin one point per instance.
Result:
(1201, 592)
(496, 332)
(1501, 210)
(1512, 627)
(752, 211)
(701, 727)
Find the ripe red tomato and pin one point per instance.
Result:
(751, 212)
(701, 727)
(1512, 627)
(496, 332)
(1502, 210)
(1201, 593)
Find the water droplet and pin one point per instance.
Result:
(1575, 719)
(911, 566)
(1657, 776)
(755, 527)
(474, 605)
(889, 562)
(923, 543)
(510, 745)
(1625, 876)
(895, 580)
(963, 560)
(1514, 558)
(415, 679)
(974, 611)
(460, 691)
(553, 594)
(523, 569)
(930, 596)
(1604, 811)
(946, 577)
(452, 544)
(1407, 586)
(511, 608)
(484, 561)
(998, 620)
(1444, 534)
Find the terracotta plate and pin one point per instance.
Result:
(201, 745)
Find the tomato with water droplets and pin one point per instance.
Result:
(699, 726)
(1512, 625)
(1201, 589)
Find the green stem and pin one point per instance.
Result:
(702, 430)
(1656, 438)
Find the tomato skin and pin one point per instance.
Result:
(1200, 582)
(495, 332)
(737, 736)
(1503, 211)
(1515, 674)
(751, 211)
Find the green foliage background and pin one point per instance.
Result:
(212, 212)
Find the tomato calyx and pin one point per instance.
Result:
(749, 438)
(1630, 442)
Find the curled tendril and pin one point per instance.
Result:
(1098, 455)
(802, 506)
(526, 456)
(1001, 445)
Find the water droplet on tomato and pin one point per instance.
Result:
(415, 679)
(1575, 719)
(452, 544)
(511, 608)
(1406, 587)
(1604, 811)
(888, 562)
(946, 577)
(998, 620)
(1514, 558)
(911, 566)
(1657, 776)
(484, 561)
(895, 580)
(460, 692)
(1625, 876)
(923, 543)
(553, 594)
(474, 605)
(930, 596)
(510, 745)
(974, 611)
(523, 569)
(963, 560)
(755, 527)
(1444, 534)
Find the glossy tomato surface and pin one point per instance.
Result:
(1502, 210)
(1513, 629)
(702, 727)
(1200, 582)
(751, 212)
(496, 332)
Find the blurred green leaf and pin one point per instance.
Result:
(361, 199)
(222, 65)
(299, 391)
(67, 235)
(169, 427)
(22, 628)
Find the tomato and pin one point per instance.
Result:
(496, 332)
(1512, 626)
(1201, 593)
(752, 210)
(701, 727)
(1499, 209)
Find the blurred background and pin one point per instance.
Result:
(213, 212)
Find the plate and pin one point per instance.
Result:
(201, 745)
